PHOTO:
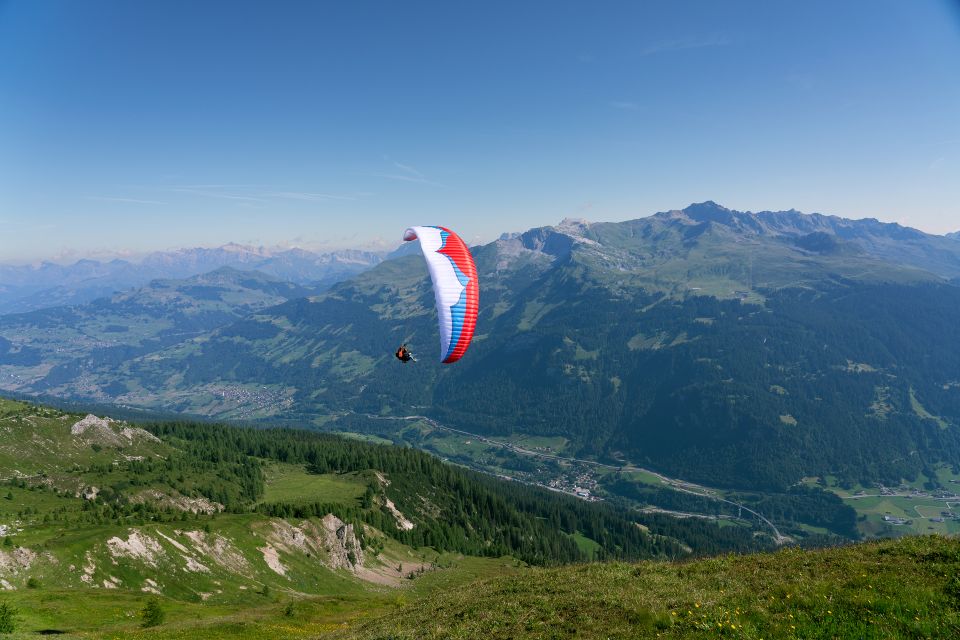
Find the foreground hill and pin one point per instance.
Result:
(216, 521)
(239, 533)
(904, 589)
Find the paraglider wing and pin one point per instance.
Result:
(455, 287)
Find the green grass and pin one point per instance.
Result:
(642, 477)
(555, 444)
(919, 509)
(452, 444)
(293, 483)
(116, 614)
(923, 413)
(365, 437)
(533, 312)
(587, 545)
(892, 589)
(103, 613)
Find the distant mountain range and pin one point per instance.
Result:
(65, 342)
(734, 348)
(31, 287)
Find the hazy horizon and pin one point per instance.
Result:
(103, 255)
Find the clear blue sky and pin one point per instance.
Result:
(160, 124)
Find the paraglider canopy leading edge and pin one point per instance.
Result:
(455, 287)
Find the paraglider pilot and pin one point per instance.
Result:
(403, 354)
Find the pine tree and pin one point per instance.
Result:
(152, 614)
(8, 618)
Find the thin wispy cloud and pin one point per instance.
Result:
(688, 42)
(212, 191)
(408, 169)
(406, 178)
(408, 173)
(303, 195)
(125, 200)
(248, 194)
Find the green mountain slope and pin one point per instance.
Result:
(706, 343)
(735, 349)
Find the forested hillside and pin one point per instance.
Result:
(104, 471)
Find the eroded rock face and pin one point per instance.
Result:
(341, 543)
(16, 561)
(219, 549)
(177, 501)
(272, 558)
(137, 546)
(334, 543)
(403, 523)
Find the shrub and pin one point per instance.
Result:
(152, 614)
(8, 618)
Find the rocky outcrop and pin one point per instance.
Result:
(219, 549)
(177, 501)
(333, 542)
(101, 431)
(403, 523)
(342, 546)
(137, 546)
(16, 561)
